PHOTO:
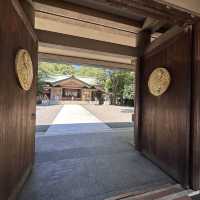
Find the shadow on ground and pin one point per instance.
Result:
(43, 128)
(90, 166)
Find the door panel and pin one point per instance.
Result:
(17, 107)
(165, 120)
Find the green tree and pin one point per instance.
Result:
(40, 82)
(99, 73)
(55, 68)
(89, 71)
(120, 84)
(128, 92)
(129, 88)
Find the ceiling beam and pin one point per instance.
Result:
(147, 8)
(68, 26)
(46, 57)
(191, 6)
(85, 43)
(82, 10)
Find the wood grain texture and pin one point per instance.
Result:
(147, 8)
(25, 18)
(16, 106)
(86, 11)
(143, 40)
(85, 43)
(165, 122)
(195, 147)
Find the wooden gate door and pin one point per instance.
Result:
(17, 106)
(164, 133)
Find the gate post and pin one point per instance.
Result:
(143, 39)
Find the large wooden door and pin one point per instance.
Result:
(164, 133)
(17, 107)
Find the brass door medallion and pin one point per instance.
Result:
(24, 69)
(159, 81)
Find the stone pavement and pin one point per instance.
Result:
(81, 158)
(73, 119)
(91, 166)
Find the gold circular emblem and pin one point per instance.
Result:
(159, 81)
(24, 69)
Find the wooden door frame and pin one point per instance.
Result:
(195, 112)
(194, 152)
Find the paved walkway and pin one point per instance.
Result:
(73, 119)
(90, 166)
(83, 162)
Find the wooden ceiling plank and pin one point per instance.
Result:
(191, 6)
(68, 26)
(86, 11)
(75, 15)
(147, 8)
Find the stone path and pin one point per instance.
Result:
(90, 166)
(87, 160)
(73, 119)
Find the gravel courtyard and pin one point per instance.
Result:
(114, 116)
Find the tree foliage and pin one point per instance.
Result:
(99, 73)
(55, 68)
(40, 82)
(120, 84)
(128, 92)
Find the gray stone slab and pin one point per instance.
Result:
(92, 166)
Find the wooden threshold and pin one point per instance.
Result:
(166, 192)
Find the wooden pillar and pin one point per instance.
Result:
(195, 122)
(142, 41)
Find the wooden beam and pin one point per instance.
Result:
(147, 8)
(85, 43)
(153, 24)
(191, 6)
(27, 6)
(68, 26)
(45, 57)
(163, 38)
(25, 19)
(83, 10)
(149, 23)
(143, 40)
